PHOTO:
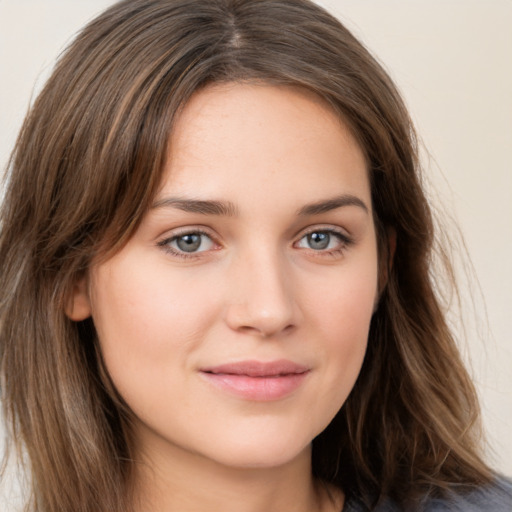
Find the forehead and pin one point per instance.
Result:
(247, 140)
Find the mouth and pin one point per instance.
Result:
(256, 380)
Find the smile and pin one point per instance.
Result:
(257, 381)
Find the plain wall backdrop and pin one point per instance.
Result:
(452, 59)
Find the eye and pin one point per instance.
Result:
(189, 243)
(323, 240)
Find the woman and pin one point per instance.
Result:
(216, 276)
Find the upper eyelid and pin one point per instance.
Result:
(165, 241)
(177, 232)
(324, 228)
(204, 230)
(165, 244)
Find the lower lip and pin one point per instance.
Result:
(261, 389)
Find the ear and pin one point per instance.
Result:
(386, 261)
(78, 306)
(391, 236)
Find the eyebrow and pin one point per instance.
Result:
(229, 209)
(202, 207)
(332, 204)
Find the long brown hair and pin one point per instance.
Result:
(84, 170)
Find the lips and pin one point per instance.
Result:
(256, 380)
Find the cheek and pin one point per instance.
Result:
(343, 301)
(147, 320)
(343, 308)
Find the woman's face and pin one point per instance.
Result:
(235, 321)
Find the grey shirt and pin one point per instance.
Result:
(493, 498)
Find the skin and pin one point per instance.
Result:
(256, 288)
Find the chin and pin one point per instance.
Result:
(262, 459)
(258, 452)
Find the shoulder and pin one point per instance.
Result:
(495, 497)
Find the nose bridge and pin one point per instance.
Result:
(262, 298)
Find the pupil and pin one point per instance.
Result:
(318, 240)
(189, 243)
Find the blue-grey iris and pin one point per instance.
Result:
(318, 240)
(189, 243)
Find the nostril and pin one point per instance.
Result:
(263, 302)
(265, 331)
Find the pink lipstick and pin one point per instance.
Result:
(256, 380)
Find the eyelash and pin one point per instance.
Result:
(165, 244)
(345, 242)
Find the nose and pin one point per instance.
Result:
(261, 300)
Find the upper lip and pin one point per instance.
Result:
(257, 368)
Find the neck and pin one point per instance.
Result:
(188, 482)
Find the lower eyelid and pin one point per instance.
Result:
(344, 241)
(167, 241)
(342, 237)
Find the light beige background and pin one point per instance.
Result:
(453, 61)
